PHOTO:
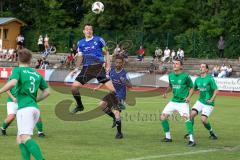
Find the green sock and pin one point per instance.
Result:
(24, 151)
(192, 120)
(33, 147)
(165, 125)
(5, 125)
(189, 126)
(207, 126)
(40, 126)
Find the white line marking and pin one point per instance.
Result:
(185, 153)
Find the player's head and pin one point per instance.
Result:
(88, 30)
(119, 61)
(24, 56)
(177, 65)
(203, 68)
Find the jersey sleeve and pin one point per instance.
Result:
(213, 84)
(43, 84)
(189, 82)
(15, 74)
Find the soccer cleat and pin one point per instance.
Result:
(3, 131)
(114, 123)
(119, 136)
(166, 140)
(41, 135)
(78, 109)
(191, 144)
(186, 136)
(213, 136)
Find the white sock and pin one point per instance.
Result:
(168, 135)
(191, 138)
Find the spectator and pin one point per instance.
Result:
(62, 61)
(39, 63)
(69, 61)
(162, 68)
(152, 67)
(140, 53)
(166, 55)
(221, 46)
(229, 71)
(46, 42)
(45, 63)
(117, 50)
(157, 54)
(223, 71)
(40, 43)
(215, 71)
(173, 55)
(11, 54)
(20, 41)
(73, 49)
(180, 54)
(125, 56)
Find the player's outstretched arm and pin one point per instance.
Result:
(9, 85)
(43, 95)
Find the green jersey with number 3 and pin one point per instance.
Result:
(29, 81)
(206, 86)
(180, 84)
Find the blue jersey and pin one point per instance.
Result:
(92, 50)
(119, 80)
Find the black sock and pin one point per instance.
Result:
(77, 97)
(119, 125)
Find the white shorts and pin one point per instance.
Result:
(27, 119)
(12, 108)
(181, 108)
(205, 109)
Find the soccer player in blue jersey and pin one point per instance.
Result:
(91, 52)
(121, 82)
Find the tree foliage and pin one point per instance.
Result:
(194, 25)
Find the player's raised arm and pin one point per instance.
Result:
(45, 93)
(107, 58)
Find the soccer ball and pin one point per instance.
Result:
(97, 7)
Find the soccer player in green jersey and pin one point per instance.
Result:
(12, 107)
(28, 82)
(205, 104)
(182, 88)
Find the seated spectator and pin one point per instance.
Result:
(11, 54)
(117, 50)
(39, 63)
(223, 71)
(69, 61)
(74, 50)
(166, 55)
(152, 67)
(162, 68)
(229, 71)
(62, 60)
(45, 63)
(180, 54)
(215, 71)
(140, 53)
(125, 56)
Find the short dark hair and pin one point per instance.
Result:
(178, 59)
(87, 24)
(119, 57)
(24, 55)
(206, 65)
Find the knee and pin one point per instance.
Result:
(23, 138)
(163, 117)
(204, 120)
(11, 117)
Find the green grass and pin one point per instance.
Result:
(94, 139)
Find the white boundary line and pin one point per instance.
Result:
(184, 153)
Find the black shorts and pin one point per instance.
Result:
(112, 101)
(20, 43)
(92, 71)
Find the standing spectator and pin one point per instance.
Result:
(46, 42)
(173, 55)
(158, 54)
(221, 46)
(166, 55)
(20, 40)
(140, 53)
(40, 43)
